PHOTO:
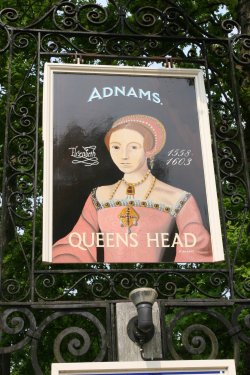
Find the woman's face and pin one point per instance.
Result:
(127, 150)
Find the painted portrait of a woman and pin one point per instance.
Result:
(135, 219)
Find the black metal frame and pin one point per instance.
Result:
(205, 304)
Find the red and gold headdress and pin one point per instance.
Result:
(152, 124)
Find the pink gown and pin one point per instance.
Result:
(99, 225)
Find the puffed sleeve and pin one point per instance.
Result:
(78, 246)
(195, 241)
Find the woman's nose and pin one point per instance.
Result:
(124, 153)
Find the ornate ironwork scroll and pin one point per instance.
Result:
(70, 310)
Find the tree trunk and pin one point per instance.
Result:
(243, 12)
(244, 16)
(4, 364)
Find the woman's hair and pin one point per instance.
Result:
(149, 140)
(152, 130)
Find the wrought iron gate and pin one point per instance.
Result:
(59, 313)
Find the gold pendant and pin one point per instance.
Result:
(128, 217)
(130, 190)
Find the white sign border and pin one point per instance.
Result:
(226, 366)
(205, 135)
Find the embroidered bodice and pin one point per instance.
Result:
(152, 233)
(171, 210)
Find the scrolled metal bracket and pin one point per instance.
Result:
(78, 58)
(169, 63)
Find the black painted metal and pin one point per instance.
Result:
(42, 306)
(138, 336)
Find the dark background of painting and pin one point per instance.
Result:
(78, 122)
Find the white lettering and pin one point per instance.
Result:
(156, 239)
(84, 239)
(75, 240)
(165, 240)
(142, 93)
(132, 92)
(107, 91)
(137, 93)
(133, 238)
(87, 156)
(99, 240)
(94, 95)
(119, 90)
(109, 239)
(189, 242)
(156, 97)
(120, 238)
(177, 240)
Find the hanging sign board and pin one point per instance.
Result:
(198, 367)
(128, 169)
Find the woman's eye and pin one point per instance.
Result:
(115, 147)
(134, 147)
